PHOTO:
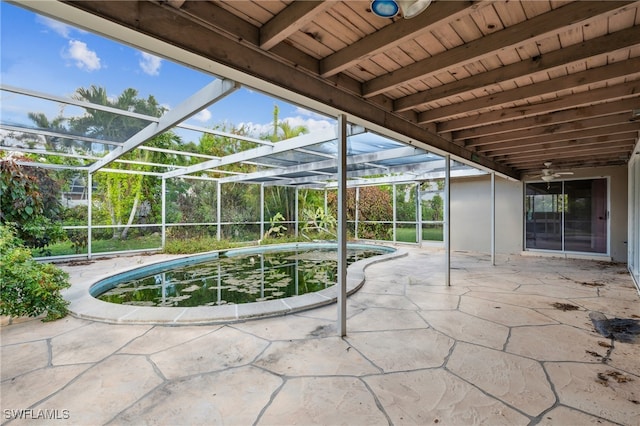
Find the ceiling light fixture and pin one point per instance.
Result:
(390, 8)
(413, 8)
(385, 8)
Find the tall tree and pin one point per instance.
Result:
(52, 143)
(110, 126)
(282, 199)
(124, 193)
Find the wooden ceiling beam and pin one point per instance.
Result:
(215, 18)
(614, 152)
(545, 62)
(551, 119)
(552, 147)
(629, 68)
(291, 19)
(392, 35)
(588, 98)
(528, 171)
(529, 30)
(556, 129)
(579, 134)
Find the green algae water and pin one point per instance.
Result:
(244, 278)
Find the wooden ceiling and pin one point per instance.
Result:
(506, 84)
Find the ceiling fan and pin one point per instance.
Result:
(548, 174)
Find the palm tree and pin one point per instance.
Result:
(283, 197)
(109, 126)
(52, 143)
(286, 130)
(124, 193)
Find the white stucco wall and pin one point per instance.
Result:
(471, 215)
(471, 210)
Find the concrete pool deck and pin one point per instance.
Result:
(507, 344)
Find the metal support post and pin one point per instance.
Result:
(342, 225)
(493, 219)
(418, 215)
(357, 215)
(164, 212)
(447, 217)
(395, 216)
(261, 211)
(295, 210)
(218, 209)
(89, 213)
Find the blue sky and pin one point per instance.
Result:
(41, 54)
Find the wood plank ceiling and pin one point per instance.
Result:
(506, 84)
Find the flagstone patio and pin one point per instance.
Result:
(506, 344)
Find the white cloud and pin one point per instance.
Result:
(203, 116)
(255, 129)
(61, 29)
(305, 112)
(312, 124)
(150, 64)
(84, 58)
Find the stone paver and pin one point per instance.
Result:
(92, 343)
(520, 382)
(553, 343)
(430, 397)
(401, 350)
(330, 356)
(467, 328)
(206, 399)
(510, 344)
(323, 401)
(22, 358)
(104, 390)
(598, 389)
(218, 350)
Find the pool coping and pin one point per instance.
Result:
(84, 305)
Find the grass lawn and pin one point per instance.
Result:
(191, 245)
(433, 234)
(408, 235)
(102, 246)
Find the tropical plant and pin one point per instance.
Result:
(28, 199)
(281, 199)
(375, 204)
(433, 208)
(318, 221)
(28, 288)
(283, 129)
(276, 228)
(109, 126)
(124, 193)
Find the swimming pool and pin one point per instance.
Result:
(84, 304)
(232, 277)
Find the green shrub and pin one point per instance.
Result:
(76, 216)
(196, 245)
(29, 200)
(28, 288)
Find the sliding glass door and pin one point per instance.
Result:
(567, 216)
